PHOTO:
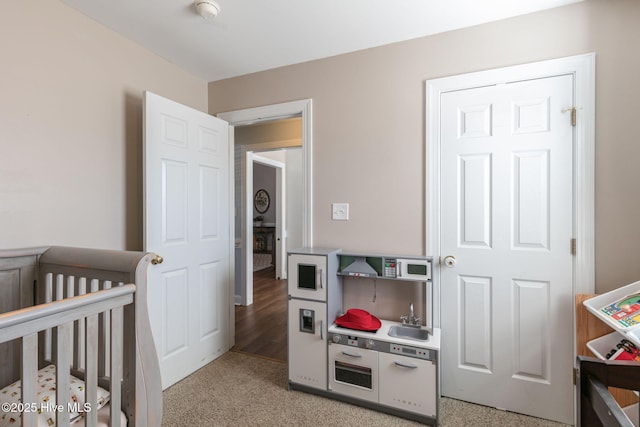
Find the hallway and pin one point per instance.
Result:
(261, 328)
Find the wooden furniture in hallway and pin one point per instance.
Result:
(261, 328)
(264, 241)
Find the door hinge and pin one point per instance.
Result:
(574, 115)
(575, 376)
(573, 246)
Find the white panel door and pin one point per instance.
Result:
(187, 223)
(506, 299)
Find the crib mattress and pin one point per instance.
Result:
(103, 418)
(46, 395)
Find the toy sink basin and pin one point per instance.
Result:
(408, 332)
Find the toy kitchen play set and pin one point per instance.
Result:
(348, 353)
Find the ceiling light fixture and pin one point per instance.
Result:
(208, 9)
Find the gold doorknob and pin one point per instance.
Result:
(450, 261)
(157, 260)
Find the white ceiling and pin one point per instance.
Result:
(255, 35)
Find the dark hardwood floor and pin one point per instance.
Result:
(261, 328)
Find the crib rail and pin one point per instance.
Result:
(61, 316)
(18, 323)
(115, 266)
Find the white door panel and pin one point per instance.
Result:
(187, 222)
(507, 159)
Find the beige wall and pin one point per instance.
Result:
(71, 127)
(368, 124)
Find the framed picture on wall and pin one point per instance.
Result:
(261, 201)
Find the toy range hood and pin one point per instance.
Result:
(359, 268)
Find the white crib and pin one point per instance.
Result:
(83, 311)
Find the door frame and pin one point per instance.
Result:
(252, 158)
(582, 67)
(301, 108)
(247, 158)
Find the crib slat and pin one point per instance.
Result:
(63, 358)
(105, 284)
(45, 347)
(79, 330)
(102, 372)
(29, 369)
(102, 346)
(91, 373)
(58, 295)
(76, 358)
(116, 364)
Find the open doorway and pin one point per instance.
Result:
(301, 110)
(267, 180)
(270, 199)
(268, 144)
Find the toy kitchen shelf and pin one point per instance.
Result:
(410, 268)
(619, 309)
(376, 266)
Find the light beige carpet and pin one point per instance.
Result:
(244, 390)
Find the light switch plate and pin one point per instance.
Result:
(340, 211)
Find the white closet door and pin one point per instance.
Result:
(507, 161)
